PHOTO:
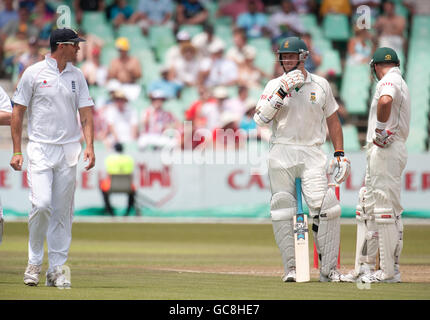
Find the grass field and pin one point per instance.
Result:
(197, 261)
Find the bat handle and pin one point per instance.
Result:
(299, 195)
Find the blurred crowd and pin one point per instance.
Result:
(225, 76)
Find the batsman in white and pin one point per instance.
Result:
(298, 105)
(52, 91)
(378, 213)
(5, 116)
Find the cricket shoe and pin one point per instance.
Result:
(379, 276)
(353, 276)
(31, 274)
(333, 276)
(290, 276)
(57, 279)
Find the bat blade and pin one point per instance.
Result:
(301, 246)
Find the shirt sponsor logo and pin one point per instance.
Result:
(45, 84)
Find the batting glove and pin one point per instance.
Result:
(291, 80)
(383, 138)
(340, 166)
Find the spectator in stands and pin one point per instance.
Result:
(12, 27)
(174, 52)
(122, 120)
(42, 14)
(170, 88)
(217, 70)
(29, 57)
(93, 42)
(8, 13)
(203, 40)
(247, 122)
(234, 8)
(155, 121)
(14, 46)
(249, 74)
(82, 6)
(212, 112)
(237, 52)
(194, 114)
(121, 13)
(190, 12)
(253, 21)
(418, 7)
(390, 28)
(185, 70)
(227, 135)
(314, 58)
(335, 6)
(126, 69)
(152, 13)
(94, 72)
(285, 23)
(359, 47)
(305, 6)
(237, 104)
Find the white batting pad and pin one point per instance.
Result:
(329, 232)
(388, 239)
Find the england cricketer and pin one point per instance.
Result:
(378, 212)
(52, 91)
(298, 105)
(5, 116)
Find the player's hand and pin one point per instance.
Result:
(340, 166)
(292, 80)
(383, 138)
(16, 162)
(90, 157)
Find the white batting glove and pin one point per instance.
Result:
(340, 166)
(268, 109)
(383, 138)
(291, 80)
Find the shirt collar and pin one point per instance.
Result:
(52, 63)
(308, 77)
(394, 70)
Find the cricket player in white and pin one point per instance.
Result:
(5, 116)
(52, 91)
(299, 104)
(379, 210)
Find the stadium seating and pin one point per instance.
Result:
(350, 138)
(355, 88)
(336, 27)
(331, 61)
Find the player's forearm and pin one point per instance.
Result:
(87, 124)
(18, 112)
(384, 108)
(5, 118)
(335, 131)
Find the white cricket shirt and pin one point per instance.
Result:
(393, 85)
(52, 100)
(302, 121)
(5, 104)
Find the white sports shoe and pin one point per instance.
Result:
(333, 276)
(379, 276)
(290, 276)
(57, 279)
(31, 274)
(354, 276)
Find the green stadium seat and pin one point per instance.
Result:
(416, 140)
(265, 60)
(107, 55)
(309, 22)
(261, 44)
(189, 95)
(176, 107)
(225, 33)
(350, 137)
(331, 61)
(224, 21)
(336, 27)
(161, 38)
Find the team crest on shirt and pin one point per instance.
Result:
(73, 86)
(313, 97)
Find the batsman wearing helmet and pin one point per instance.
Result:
(298, 105)
(378, 213)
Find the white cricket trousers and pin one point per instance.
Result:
(287, 162)
(52, 181)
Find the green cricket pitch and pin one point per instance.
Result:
(169, 261)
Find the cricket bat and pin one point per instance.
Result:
(301, 240)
